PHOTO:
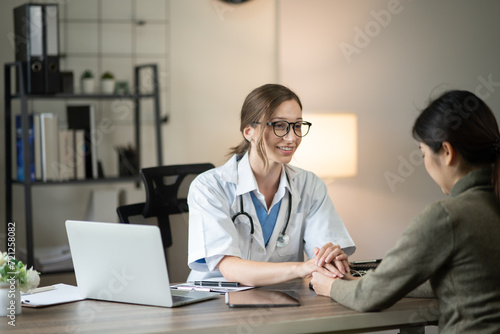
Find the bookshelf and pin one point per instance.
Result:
(136, 96)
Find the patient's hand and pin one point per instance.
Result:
(322, 284)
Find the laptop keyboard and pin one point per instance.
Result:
(360, 268)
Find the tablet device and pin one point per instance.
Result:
(262, 298)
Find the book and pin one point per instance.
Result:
(82, 117)
(37, 143)
(71, 154)
(79, 142)
(50, 259)
(49, 147)
(67, 170)
(20, 151)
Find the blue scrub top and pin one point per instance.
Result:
(266, 221)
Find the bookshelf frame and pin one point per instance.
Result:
(27, 184)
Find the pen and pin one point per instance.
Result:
(220, 284)
(188, 288)
(42, 289)
(361, 262)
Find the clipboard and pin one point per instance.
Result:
(262, 298)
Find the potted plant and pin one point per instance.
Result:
(108, 83)
(14, 279)
(87, 81)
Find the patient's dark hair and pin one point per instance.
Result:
(467, 123)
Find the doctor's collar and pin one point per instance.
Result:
(245, 180)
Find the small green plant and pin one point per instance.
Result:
(107, 75)
(14, 272)
(87, 74)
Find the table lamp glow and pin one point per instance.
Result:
(330, 148)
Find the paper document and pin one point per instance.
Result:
(222, 290)
(62, 293)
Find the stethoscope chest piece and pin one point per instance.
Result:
(283, 240)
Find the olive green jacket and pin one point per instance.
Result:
(455, 245)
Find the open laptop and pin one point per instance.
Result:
(124, 263)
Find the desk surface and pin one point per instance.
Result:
(316, 314)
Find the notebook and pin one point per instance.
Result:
(124, 263)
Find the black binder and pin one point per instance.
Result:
(36, 37)
(83, 117)
(51, 33)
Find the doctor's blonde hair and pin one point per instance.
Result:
(258, 107)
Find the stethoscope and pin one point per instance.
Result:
(283, 238)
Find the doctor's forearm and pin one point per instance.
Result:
(256, 273)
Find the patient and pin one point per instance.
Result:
(455, 243)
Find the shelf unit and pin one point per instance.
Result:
(136, 97)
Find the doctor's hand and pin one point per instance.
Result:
(307, 268)
(333, 258)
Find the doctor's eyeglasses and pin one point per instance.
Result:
(281, 128)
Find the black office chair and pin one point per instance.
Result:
(163, 198)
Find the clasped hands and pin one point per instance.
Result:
(329, 260)
(328, 264)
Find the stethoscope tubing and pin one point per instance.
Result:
(242, 212)
(283, 237)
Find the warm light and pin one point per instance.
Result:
(330, 148)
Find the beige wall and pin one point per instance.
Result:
(382, 60)
(218, 53)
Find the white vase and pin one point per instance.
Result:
(88, 86)
(10, 300)
(108, 86)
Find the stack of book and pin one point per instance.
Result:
(51, 259)
(59, 154)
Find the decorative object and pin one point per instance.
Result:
(88, 83)
(330, 148)
(107, 83)
(10, 299)
(127, 161)
(14, 279)
(121, 88)
(66, 81)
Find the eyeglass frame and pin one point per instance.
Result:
(273, 124)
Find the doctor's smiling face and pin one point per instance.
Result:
(275, 144)
(280, 150)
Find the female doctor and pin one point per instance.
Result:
(251, 219)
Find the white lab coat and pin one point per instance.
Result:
(214, 198)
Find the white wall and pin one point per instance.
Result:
(407, 51)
